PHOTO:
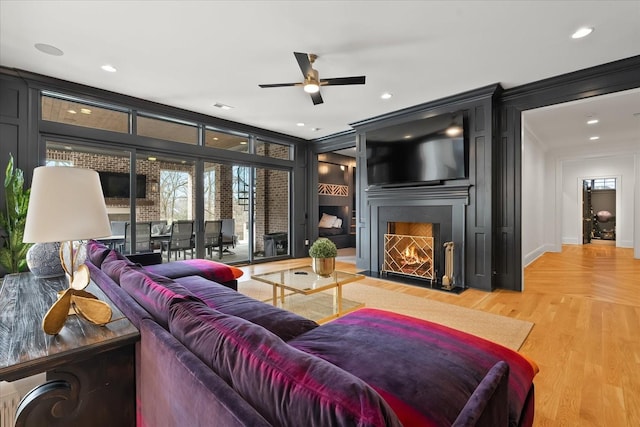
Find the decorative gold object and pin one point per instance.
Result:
(447, 279)
(80, 301)
(54, 215)
(323, 266)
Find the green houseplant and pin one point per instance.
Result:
(13, 252)
(323, 253)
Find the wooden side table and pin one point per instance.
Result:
(90, 369)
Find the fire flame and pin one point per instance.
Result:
(411, 256)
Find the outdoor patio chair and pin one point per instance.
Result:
(180, 240)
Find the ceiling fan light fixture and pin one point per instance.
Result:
(311, 87)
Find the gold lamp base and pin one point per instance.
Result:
(82, 303)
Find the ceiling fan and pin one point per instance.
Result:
(312, 83)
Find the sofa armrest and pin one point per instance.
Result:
(487, 406)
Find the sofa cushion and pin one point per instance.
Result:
(208, 269)
(286, 386)
(422, 392)
(96, 252)
(113, 265)
(154, 293)
(285, 324)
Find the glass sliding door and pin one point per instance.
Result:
(113, 166)
(241, 221)
(253, 207)
(173, 227)
(226, 201)
(271, 212)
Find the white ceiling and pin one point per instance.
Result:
(193, 54)
(565, 125)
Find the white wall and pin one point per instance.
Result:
(574, 171)
(533, 207)
(551, 179)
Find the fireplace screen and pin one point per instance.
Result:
(410, 255)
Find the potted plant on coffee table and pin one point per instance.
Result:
(323, 253)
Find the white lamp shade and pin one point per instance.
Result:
(65, 204)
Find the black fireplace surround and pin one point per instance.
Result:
(422, 205)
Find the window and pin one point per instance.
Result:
(175, 195)
(226, 141)
(167, 129)
(57, 108)
(273, 150)
(65, 163)
(604, 184)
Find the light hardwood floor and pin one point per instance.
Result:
(585, 303)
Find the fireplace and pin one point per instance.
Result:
(409, 249)
(418, 235)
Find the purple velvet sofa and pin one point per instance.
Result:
(209, 355)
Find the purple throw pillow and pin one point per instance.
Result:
(286, 386)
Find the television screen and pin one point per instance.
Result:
(116, 184)
(417, 153)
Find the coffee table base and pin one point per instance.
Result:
(318, 307)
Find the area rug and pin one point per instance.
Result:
(500, 329)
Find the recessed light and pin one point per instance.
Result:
(407, 136)
(300, 124)
(109, 68)
(594, 138)
(151, 159)
(592, 121)
(48, 49)
(222, 106)
(243, 142)
(72, 112)
(453, 131)
(582, 32)
(85, 111)
(215, 138)
(386, 95)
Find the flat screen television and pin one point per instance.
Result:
(417, 153)
(116, 184)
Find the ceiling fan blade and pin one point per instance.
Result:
(316, 98)
(338, 81)
(304, 63)
(280, 85)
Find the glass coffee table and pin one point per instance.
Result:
(302, 291)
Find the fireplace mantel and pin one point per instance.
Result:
(458, 192)
(442, 204)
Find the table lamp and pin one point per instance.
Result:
(66, 204)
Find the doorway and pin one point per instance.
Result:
(599, 211)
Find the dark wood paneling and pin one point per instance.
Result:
(9, 102)
(478, 109)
